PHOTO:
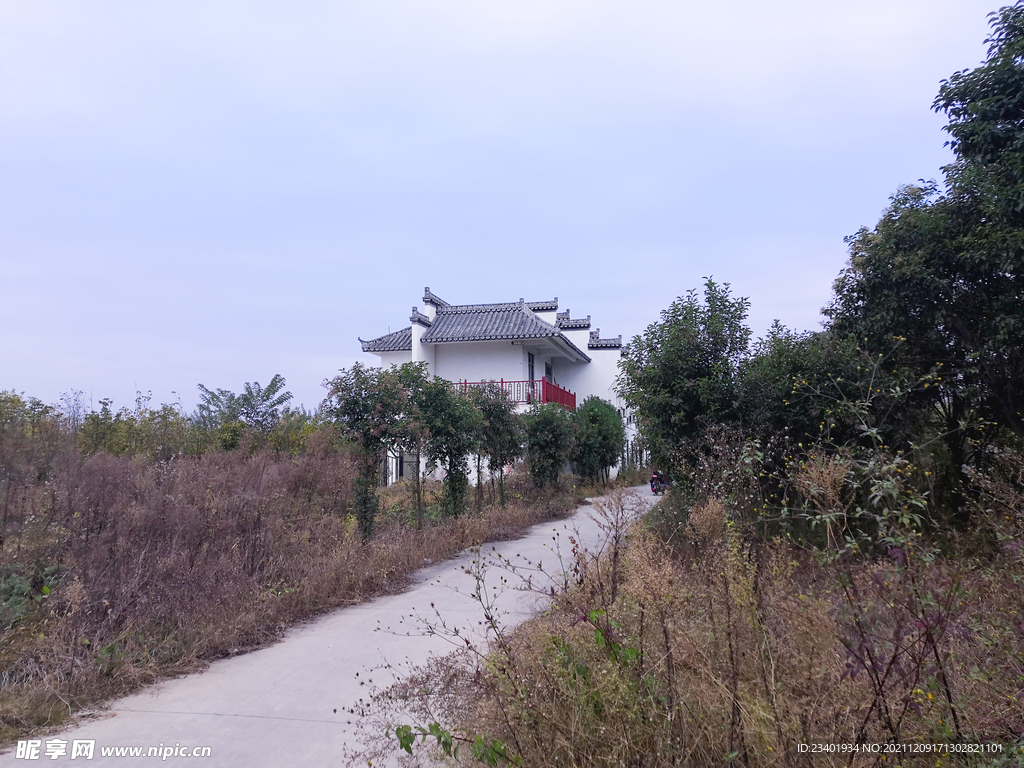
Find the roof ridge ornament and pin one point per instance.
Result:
(596, 342)
(551, 305)
(565, 321)
(433, 299)
(419, 319)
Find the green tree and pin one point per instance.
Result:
(260, 407)
(985, 107)
(229, 416)
(167, 431)
(160, 433)
(367, 404)
(16, 432)
(453, 425)
(412, 431)
(292, 430)
(944, 270)
(600, 435)
(680, 375)
(550, 432)
(502, 433)
(218, 416)
(100, 430)
(792, 382)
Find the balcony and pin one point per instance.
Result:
(537, 392)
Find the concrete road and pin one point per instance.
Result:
(285, 705)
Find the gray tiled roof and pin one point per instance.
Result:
(596, 342)
(543, 306)
(564, 321)
(431, 298)
(485, 322)
(399, 341)
(514, 321)
(492, 322)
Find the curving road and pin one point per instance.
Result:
(285, 705)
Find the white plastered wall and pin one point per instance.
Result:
(389, 359)
(594, 378)
(549, 317)
(479, 361)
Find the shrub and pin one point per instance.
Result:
(550, 435)
(600, 435)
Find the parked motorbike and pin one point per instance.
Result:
(659, 483)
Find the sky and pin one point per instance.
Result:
(215, 192)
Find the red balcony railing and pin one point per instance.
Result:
(540, 391)
(552, 393)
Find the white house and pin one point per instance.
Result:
(534, 352)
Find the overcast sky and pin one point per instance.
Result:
(218, 191)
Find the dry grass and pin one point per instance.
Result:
(117, 572)
(723, 653)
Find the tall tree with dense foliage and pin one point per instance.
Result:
(550, 433)
(367, 404)
(600, 435)
(680, 375)
(412, 429)
(453, 428)
(260, 407)
(502, 432)
(256, 410)
(798, 385)
(943, 270)
(219, 416)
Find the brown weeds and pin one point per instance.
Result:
(132, 570)
(733, 654)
